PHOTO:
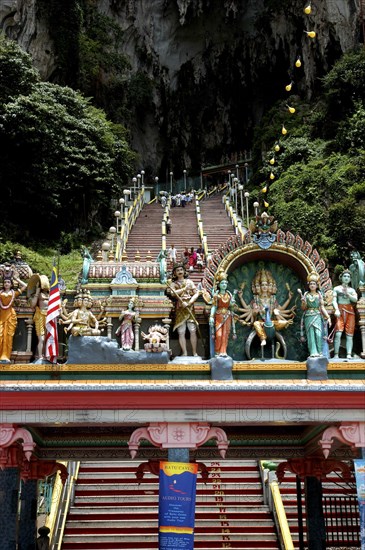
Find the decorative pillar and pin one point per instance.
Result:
(313, 470)
(9, 490)
(316, 528)
(166, 325)
(137, 324)
(28, 515)
(361, 312)
(29, 325)
(109, 327)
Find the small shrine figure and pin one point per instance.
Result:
(156, 339)
(344, 298)
(8, 316)
(125, 330)
(185, 292)
(264, 312)
(38, 297)
(221, 317)
(315, 316)
(83, 322)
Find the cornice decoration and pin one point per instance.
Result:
(9, 434)
(178, 435)
(312, 467)
(349, 433)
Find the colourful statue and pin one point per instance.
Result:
(125, 330)
(344, 298)
(86, 266)
(221, 316)
(83, 322)
(185, 293)
(8, 317)
(315, 316)
(38, 297)
(264, 311)
(162, 261)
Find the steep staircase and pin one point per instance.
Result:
(216, 223)
(145, 236)
(184, 233)
(112, 512)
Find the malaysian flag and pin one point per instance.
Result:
(54, 305)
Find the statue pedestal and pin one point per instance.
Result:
(221, 368)
(317, 368)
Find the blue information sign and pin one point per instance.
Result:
(177, 505)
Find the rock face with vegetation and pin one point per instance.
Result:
(189, 78)
(183, 82)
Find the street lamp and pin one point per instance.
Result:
(112, 231)
(235, 181)
(246, 172)
(171, 174)
(105, 247)
(156, 182)
(240, 189)
(117, 216)
(256, 207)
(247, 194)
(237, 174)
(139, 181)
(142, 174)
(134, 181)
(184, 172)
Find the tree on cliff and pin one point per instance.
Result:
(61, 160)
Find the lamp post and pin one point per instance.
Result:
(142, 175)
(247, 194)
(184, 172)
(237, 174)
(105, 247)
(256, 207)
(246, 172)
(112, 231)
(138, 181)
(235, 181)
(156, 182)
(134, 181)
(171, 174)
(117, 216)
(240, 189)
(229, 183)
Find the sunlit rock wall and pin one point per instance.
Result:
(216, 65)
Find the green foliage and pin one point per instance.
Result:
(41, 261)
(319, 186)
(62, 161)
(17, 75)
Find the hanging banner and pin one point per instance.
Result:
(360, 486)
(177, 505)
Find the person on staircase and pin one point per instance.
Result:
(192, 259)
(185, 293)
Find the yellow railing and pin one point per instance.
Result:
(202, 236)
(57, 518)
(128, 220)
(281, 516)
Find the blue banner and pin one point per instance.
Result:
(177, 505)
(360, 486)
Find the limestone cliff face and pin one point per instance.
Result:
(214, 65)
